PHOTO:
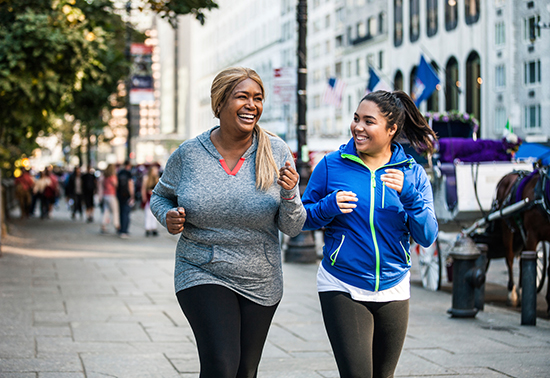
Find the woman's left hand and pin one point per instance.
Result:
(288, 177)
(393, 179)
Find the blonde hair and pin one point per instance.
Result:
(223, 85)
(152, 177)
(109, 171)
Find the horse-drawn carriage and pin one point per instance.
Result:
(480, 192)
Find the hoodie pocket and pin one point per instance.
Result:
(333, 255)
(406, 250)
(195, 253)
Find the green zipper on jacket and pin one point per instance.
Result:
(357, 159)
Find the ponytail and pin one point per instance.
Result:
(266, 168)
(398, 108)
(415, 127)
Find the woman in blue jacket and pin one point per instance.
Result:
(371, 198)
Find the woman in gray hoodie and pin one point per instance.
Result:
(228, 192)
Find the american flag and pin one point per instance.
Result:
(334, 91)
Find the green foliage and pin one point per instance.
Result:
(44, 52)
(64, 56)
(170, 9)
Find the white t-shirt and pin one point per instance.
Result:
(400, 292)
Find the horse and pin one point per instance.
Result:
(524, 230)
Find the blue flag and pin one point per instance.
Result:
(425, 82)
(375, 83)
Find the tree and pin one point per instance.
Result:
(45, 50)
(170, 9)
(92, 102)
(62, 55)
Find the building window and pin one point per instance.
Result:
(398, 25)
(500, 120)
(530, 31)
(532, 117)
(398, 81)
(473, 85)
(414, 14)
(452, 85)
(532, 72)
(327, 21)
(327, 47)
(338, 69)
(358, 67)
(500, 77)
(431, 28)
(451, 15)
(348, 68)
(381, 59)
(471, 10)
(370, 60)
(371, 26)
(433, 100)
(381, 23)
(339, 41)
(412, 78)
(361, 29)
(500, 34)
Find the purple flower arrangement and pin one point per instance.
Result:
(453, 116)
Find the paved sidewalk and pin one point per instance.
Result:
(75, 303)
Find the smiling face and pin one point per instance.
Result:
(370, 132)
(243, 108)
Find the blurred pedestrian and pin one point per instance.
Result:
(125, 195)
(371, 198)
(41, 186)
(148, 184)
(228, 192)
(107, 194)
(89, 189)
(23, 192)
(75, 192)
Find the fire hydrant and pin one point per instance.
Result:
(466, 278)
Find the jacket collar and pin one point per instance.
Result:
(398, 156)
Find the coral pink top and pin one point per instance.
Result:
(109, 186)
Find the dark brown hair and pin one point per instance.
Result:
(399, 109)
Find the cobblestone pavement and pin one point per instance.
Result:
(75, 303)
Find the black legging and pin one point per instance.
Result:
(366, 337)
(230, 330)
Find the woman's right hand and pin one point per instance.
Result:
(175, 220)
(344, 201)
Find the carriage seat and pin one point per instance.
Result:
(455, 150)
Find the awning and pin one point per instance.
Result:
(534, 151)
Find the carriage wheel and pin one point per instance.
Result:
(430, 266)
(542, 258)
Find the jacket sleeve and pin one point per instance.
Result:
(321, 207)
(417, 200)
(291, 215)
(164, 197)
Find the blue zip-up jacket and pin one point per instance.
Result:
(369, 247)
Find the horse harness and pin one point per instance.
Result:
(541, 197)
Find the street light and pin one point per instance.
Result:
(129, 79)
(301, 248)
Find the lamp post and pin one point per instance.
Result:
(301, 248)
(128, 80)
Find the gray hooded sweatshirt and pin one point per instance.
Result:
(230, 235)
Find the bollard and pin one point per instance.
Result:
(466, 278)
(479, 292)
(529, 288)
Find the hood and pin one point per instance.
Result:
(206, 142)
